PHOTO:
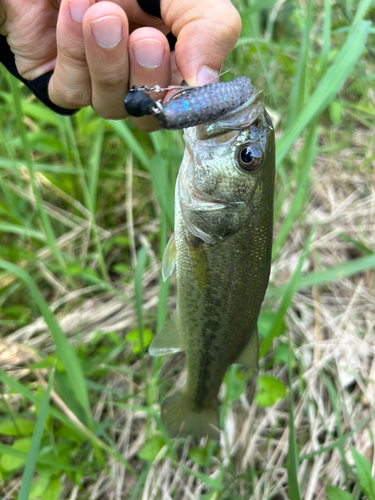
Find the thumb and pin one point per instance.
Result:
(206, 32)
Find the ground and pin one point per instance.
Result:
(86, 209)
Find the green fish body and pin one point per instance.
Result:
(221, 250)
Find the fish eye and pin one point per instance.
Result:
(249, 157)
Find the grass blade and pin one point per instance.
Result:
(338, 442)
(338, 494)
(340, 446)
(327, 88)
(214, 483)
(343, 270)
(94, 164)
(326, 46)
(45, 222)
(28, 473)
(292, 468)
(76, 426)
(123, 131)
(162, 186)
(138, 288)
(364, 474)
(299, 90)
(254, 24)
(138, 276)
(256, 7)
(85, 188)
(6, 227)
(306, 159)
(286, 300)
(361, 11)
(55, 464)
(64, 350)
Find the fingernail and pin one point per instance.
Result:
(78, 8)
(148, 53)
(207, 75)
(107, 31)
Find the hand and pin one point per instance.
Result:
(98, 51)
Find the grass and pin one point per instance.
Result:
(86, 210)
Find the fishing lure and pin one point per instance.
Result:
(190, 106)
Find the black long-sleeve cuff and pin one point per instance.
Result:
(39, 86)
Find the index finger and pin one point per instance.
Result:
(206, 32)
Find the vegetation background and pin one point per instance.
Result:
(86, 208)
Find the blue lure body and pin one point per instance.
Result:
(191, 106)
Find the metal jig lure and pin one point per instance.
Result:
(190, 106)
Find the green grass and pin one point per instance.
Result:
(80, 397)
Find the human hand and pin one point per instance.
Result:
(98, 51)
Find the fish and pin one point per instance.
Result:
(221, 251)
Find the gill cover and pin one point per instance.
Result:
(205, 217)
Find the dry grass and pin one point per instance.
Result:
(332, 330)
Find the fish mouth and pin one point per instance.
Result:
(237, 119)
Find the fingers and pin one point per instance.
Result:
(112, 56)
(96, 55)
(70, 85)
(105, 30)
(206, 32)
(117, 61)
(30, 29)
(149, 58)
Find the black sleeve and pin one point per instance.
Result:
(152, 7)
(39, 86)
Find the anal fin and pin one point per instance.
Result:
(168, 340)
(249, 356)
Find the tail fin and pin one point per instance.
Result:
(181, 419)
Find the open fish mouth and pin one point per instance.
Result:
(237, 119)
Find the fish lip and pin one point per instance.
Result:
(228, 122)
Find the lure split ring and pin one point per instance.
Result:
(190, 106)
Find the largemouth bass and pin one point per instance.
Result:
(221, 250)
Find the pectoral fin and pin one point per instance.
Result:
(194, 228)
(249, 356)
(169, 258)
(168, 340)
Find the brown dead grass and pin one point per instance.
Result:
(332, 328)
